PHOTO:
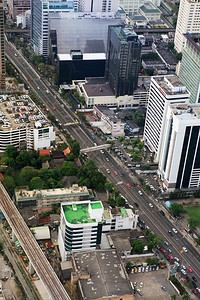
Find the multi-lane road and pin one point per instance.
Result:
(152, 217)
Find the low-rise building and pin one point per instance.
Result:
(101, 275)
(45, 198)
(80, 227)
(23, 125)
(119, 218)
(24, 19)
(150, 11)
(111, 122)
(137, 21)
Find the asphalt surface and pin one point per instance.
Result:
(151, 216)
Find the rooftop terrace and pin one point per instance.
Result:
(78, 213)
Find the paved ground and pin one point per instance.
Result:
(152, 282)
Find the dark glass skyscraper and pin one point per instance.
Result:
(123, 60)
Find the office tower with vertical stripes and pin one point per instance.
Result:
(2, 49)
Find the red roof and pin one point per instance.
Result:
(44, 152)
(1, 176)
(67, 151)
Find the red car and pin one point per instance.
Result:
(54, 108)
(8, 48)
(163, 250)
(128, 185)
(189, 269)
(116, 173)
(171, 257)
(194, 291)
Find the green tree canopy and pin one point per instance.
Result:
(109, 186)
(11, 152)
(9, 182)
(70, 157)
(138, 246)
(75, 146)
(69, 169)
(176, 209)
(193, 223)
(150, 246)
(36, 183)
(158, 240)
(138, 118)
(28, 173)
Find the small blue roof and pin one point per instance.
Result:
(168, 204)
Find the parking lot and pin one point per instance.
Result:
(152, 282)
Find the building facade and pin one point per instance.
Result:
(123, 60)
(190, 64)
(2, 51)
(17, 7)
(164, 90)
(80, 227)
(131, 7)
(96, 5)
(188, 21)
(179, 164)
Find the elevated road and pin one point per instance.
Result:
(37, 258)
(95, 148)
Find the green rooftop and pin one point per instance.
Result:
(96, 205)
(124, 212)
(77, 214)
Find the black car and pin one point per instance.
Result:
(194, 284)
(170, 233)
(136, 204)
(194, 278)
(187, 278)
(162, 212)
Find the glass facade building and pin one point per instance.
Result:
(123, 60)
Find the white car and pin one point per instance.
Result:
(184, 267)
(151, 205)
(174, 230)
(141, 284)
(47, 91)
(102, 151)
(166, 243)
(185, 249)
(176, 258)
(38, 88)
(177, 263)
(183, 272)
(107, 159)
(15, 54)
(140, 193)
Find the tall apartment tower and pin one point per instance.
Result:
(17, 7)
(123, 60)
(164, 90)
(189, 72)
(179, 164)
(188, 21)
(2, 49)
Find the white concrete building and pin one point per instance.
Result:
(24, 19)
(119, 218)
(80, 227)
(96, 5)
(179, 164)
(188, 21)
(110, 123)
(23, 125)
(131, 7)
(164, 90)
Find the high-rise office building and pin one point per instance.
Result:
(164, 90)
(17, 7)
(123, 60)
(179, 164)
(188, 21)
(189, 72)
(2, 49)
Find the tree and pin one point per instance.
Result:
(11, 152)
(109, 186)
(185, 296)
(138, 118)
(134, 141)
(140, 145)
(150, 246)
(36, 183)
(23, 159)
(28, 173)
(159, 240)
(193, 223)
(69, 169)
(129, 264)
(120, 201)
(176, 209)
(9, 182)
(69, 157)
(121, 139)
(138, 246)
(150, 72)
(75, 146)
(173, 297)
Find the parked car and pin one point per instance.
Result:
(163, 287)
(141, 284)
(174, 230)
(189, 269)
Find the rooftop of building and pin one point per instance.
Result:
(106, 274)
(79, 213)
(186, 111)
(75, 190)
(121, 240)
(165, 53)
(170, 85)
(98, 89)
(20, 112)
(148, 7)
(125, 33)
(86, 56)
(137, 18)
